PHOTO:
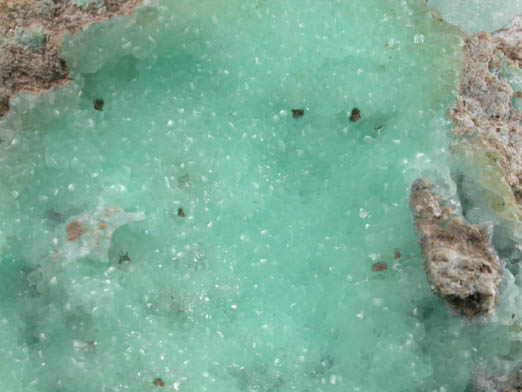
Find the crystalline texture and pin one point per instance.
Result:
(240, 249)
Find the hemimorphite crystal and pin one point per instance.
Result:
(264, 282)
(478, 15)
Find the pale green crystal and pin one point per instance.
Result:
(478, 15)
(265, 283)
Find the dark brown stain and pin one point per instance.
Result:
(379, 267)
(98, 104)
(181, 213)
(519, 94)
(74, 230)
(297, 113)
(472, 303)
(159, 382)
(356, 115)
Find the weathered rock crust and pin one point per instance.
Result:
(457, 257)
(484, 116)
(487, 130)
(514, 384)
(31, 31)
(483, 382)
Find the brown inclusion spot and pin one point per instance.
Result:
(98, 104)
(297, 113)
(159, 382)
(74, 230)
(181, 213)
(379, 267)
(356, 115)
(397, 254)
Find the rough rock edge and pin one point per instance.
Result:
(457, 257)
(484, 382)
(514, 383)
(483, 110)
(36, 71)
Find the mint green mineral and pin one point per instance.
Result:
(199, 210)
(478, 15)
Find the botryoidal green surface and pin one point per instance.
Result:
(226, 245)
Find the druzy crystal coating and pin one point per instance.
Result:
(168, 219)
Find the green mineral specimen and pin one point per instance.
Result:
(478, 15)
(197, 235)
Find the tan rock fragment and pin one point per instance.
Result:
(514, 384)
(457, 259)
(488, 134)
(483, 381)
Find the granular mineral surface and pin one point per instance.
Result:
(213, 196)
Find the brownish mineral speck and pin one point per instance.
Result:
(74, 230)
(159, 382)
(297, 113)
(519, 94)
(397, 254)
(379, 267)
(181, 213)
(356, 115)
(98, 104)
